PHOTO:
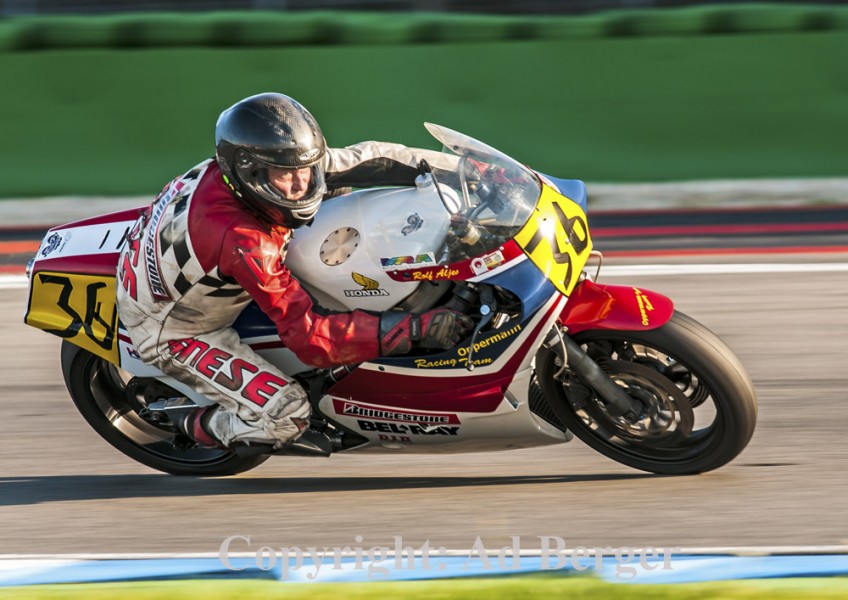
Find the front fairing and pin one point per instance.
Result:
(501, 210)
(495, 195)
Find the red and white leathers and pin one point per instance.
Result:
(198, 256)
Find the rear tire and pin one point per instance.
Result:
(98, 389)
(703, 400)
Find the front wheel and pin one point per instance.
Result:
(99, 390)
(697, 405)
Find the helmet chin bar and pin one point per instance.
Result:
(281, 215)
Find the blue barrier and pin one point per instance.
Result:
(692, 569)
(682, 568)
(35, 571)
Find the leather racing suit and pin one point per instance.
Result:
(197, 256)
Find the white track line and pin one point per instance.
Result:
(13, 282)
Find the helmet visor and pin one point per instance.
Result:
(296, 189)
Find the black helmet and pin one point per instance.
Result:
(271, 130)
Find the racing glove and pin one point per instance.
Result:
(440, 328)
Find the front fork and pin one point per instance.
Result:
(618, 402)
(599, 306)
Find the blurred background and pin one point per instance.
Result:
(115, 97)
(479, 6)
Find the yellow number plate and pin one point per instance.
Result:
(556, 238)
(79, 308)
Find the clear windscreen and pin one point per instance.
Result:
(495, 195)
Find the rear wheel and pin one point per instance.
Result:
(697, 405)
(100, 391)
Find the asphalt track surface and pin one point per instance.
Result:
(64, 490)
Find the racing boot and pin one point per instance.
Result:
(187, 418)
(193, 424)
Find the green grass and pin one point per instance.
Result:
(524, 588)
(620, 109)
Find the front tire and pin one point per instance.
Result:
(98, 389)
(699, 408)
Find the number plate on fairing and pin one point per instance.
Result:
(78, 308)
(556, 238)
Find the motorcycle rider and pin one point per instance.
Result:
(215, 239)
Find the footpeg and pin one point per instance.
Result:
(168, 411)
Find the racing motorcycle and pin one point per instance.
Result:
(554, 353)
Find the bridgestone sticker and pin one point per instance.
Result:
(353, 409)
